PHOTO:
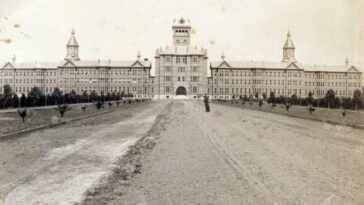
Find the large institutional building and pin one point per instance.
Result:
(181, 72)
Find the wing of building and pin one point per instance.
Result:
(73, 74)
(283, 78)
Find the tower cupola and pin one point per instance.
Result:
(72, 48)
(181, 32)
(288, 50)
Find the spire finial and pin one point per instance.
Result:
(222, 56)
(138, 55)
(347, 61)
(288, 34)
(73, 31)
(14, 58)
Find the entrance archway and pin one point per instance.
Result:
(181, 91)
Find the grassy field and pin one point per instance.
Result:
(352, 118)
(11, 121)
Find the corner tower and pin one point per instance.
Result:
(181, 32)
(288, 50)
(72, 48)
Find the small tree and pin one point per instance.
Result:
(85, 96)
(73, 97)
(57, 94)
(93, 96)
(271, 98)
(63, 109)
(310, 109)
(260, 103)
(15, 101)
(7, 96)
(23, 100)
(24, 113)
(36, 95)
(357, 100)
(7, 91)
(264, 95)
(330, 97)
(294, 99)
(310, 98)
(99, 104)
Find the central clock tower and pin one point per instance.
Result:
(181, 32)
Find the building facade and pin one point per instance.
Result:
(180, 69)
(181, 72)
(283, 78)
(73, 74)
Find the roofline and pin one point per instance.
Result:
(104, 67)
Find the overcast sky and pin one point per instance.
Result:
(324, 31)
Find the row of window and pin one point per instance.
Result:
(330, 84)
(182, 78)
(289, 74)
(181, 69)
(82, 89)
(258, 73)
(252, 91)
(169, 59)
(28, 73)
(332, 76)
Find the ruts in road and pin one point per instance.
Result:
(57, 165)
(236, 156)
(227, 156)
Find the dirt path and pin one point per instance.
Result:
(56, 166)
(236, 156)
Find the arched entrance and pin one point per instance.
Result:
(181, 91)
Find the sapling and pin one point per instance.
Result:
(24, 113)
(99, 105)
(260, 103)
(310, 109)
(288, 106)
(63, 109)
(83, 107)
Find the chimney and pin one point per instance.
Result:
(98, 61)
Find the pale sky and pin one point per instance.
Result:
(324, 31)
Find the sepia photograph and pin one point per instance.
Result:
(181, 102)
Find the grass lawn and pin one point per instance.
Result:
(352, 118)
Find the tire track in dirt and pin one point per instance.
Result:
(263, 145)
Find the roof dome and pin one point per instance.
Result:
(181, 22)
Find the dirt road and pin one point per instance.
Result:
(237, 156)
(55, 166)
(228, 156)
